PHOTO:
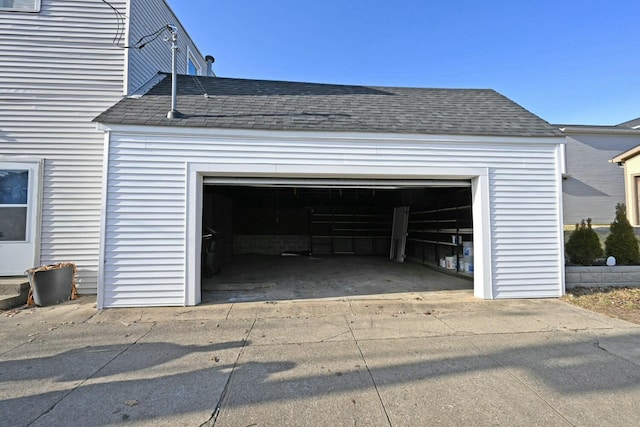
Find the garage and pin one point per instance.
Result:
(267, 239)
(294, 168)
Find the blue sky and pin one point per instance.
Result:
(568, 61)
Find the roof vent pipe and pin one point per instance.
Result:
(173, 113)
(210, 60)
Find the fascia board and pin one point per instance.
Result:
(603, 130)
(165, 131)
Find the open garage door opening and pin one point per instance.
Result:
(278, 239)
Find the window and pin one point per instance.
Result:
(14, 187)
(193, 69)
(20, 5)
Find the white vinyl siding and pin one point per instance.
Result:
(146, 206)
(524, 224)
(60, 69)
(149, 16)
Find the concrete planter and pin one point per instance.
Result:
(602, 276)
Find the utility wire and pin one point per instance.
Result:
(199, 83)
(120, 19)
(153, 36)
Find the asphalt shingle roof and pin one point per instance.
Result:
(214, 102)
(631, 124)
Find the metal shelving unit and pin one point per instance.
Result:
(432, 230)
(341, 232)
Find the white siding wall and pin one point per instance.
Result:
(148, 16)
(527, 255)
(146, 215)
(60, 70)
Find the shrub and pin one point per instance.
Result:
(622, 242)
(583, 246)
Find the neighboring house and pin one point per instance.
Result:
(593, 185)
(64, 62)
(277, 160)
(630, 161)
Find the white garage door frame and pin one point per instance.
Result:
(196, 172)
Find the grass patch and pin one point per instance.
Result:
(622, 303)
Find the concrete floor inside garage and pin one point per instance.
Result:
(344, 235)
(279, 278)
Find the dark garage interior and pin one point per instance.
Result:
(271, 242)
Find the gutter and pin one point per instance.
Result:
(599, 130)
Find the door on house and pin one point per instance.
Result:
(18, 215)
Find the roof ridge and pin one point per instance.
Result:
(246, 79)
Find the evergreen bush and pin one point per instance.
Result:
(583, 246)
(622, 242)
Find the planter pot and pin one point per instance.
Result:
(52, 284)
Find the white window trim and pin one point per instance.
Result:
(191, 57)
(35, 9)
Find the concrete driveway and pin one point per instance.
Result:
(404, 359)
